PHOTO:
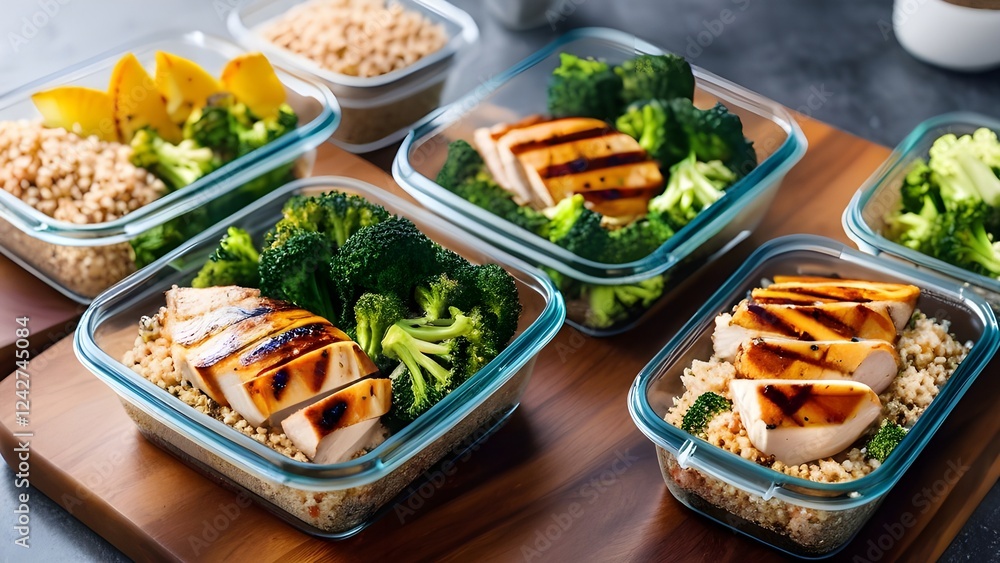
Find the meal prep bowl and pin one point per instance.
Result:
(520, 91)
(801, 517)
(83, 260)
(350, 495)
(864, 218)
(378, 110)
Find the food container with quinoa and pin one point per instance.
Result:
(933, 202)
(614, 166)
(386, 61)
(337, 485)
(107, 165)
(842, 364)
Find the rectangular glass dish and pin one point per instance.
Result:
(798, 516)
(333, 500)
(81, 260)
(521, 91)
(864, 218)
(377, 110)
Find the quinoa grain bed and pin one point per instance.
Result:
(929, 356)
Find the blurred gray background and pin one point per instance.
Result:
(835, 60)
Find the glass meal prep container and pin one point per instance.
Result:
(82, 260)
(864, 218)
(798, 516)
(521, 91)
(351, 494)
(378, 110)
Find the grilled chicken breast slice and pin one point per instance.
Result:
(278, 391)
(872, 362)
(485, 141)
(899, 299)
(334, 429)
(803, 421)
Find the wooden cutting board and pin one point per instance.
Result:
(568, 478)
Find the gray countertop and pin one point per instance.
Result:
(834, 60)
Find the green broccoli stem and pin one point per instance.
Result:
(438, 329)
(979, 248)
(409, 350)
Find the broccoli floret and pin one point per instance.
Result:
(578, 229)
(637, 240)
(963, 167)
(646, 122)
(888, 436)
(650, 77)
(374, 314)
(177, 165)
(231, 130)
(917, 188)
(712, 134)
(915, 230)
(692, 186)
(464, 173)
(495, 293)
(338, 215)
(296, 270)
(960, 237)
(161, 239)
(389, 257)
(234, 262)
(438, 294)
(584, 88)
(608, 305)
(428, 351)
(702, 410)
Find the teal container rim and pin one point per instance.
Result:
(539, 250)
(220, 181)
(858, 230)
(266, 463)
(765, 482)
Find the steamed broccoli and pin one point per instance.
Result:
(646, 122)
(692, 186)
(296, 270)
(584, 88)
(374, 314)
(438, 294)
(161, 239)
(231, 130)
(915, 229)
(391, 256)
(578, 229)
(960, 237)
(965, 168)
(702, 410)
(234, 262)
(638, 239)
(650, 77)
(611, 304)
(888, 436)
(495, 294)
(464, 173)
(337, 215)
(711, 134)
(177, 165)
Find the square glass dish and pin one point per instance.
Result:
(521, 91)
(864, 218)
(378, 110)
(798, 516)
(82, 260)
(332, 500)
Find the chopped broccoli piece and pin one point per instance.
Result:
(578, 229)
(702, 411)
(297, 271)
(712, 134)
(888, 436)
(375, 313)
(650, 77)
(234, 262)
(438, 294)
(915, 229)
(692, 186)
(338, 215)
(646, 122)
(611, 304)
(960, 237)
(584, 88)
(495, 293)
(391, 256)
(964, 167)
(177, 165)
(462, 164)
(231, 130)
(638, 239)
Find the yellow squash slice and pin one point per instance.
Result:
(251, 78)
(84, 111)
(185, 85)
(137, 103)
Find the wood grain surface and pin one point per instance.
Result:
(569, 477)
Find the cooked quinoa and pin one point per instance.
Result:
(80, 180)
(357, 37)
(929, 355)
